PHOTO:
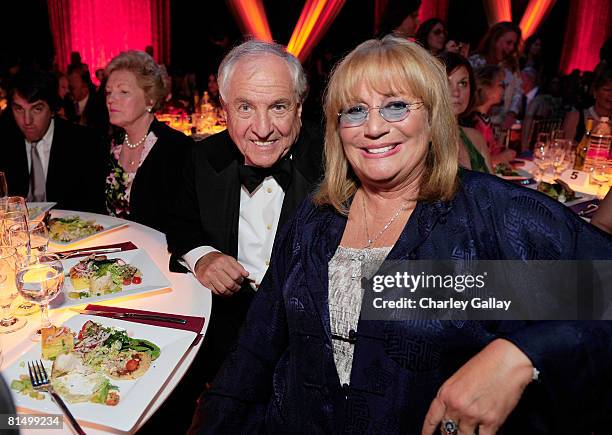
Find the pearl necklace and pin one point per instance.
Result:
(134, 145)
(371, 242)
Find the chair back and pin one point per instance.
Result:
(542, 126)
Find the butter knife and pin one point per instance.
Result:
(138, 316)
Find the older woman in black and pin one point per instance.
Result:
(146, 156)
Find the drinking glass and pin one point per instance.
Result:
(40, 278)
(600, 176)
(8, 290)
(36, 239)
(9, 219)
(557, 151)
(3, 186)
(34, 235)
(541, 157)
(543, 139)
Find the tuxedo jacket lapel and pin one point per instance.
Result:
(220, 208)
(220, 194)
(307, 169)
(295, 194)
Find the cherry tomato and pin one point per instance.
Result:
(127, 281)
(112, 398)
(132, 365)
(136, 280)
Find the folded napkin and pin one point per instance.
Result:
(194, 324)
(586, 208)
(125, 246)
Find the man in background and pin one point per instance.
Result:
(46, 158)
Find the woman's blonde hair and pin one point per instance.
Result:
(390, 66)
(150, 77)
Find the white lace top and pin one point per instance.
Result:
(346, 268)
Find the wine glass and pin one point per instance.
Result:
(40, 278)
(541, 157)
(39, 236)
(557, 150)
(3, 186)
(9, 219)
(34, 236)
(8, 290)
(17, 235)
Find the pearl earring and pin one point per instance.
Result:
(149, 109)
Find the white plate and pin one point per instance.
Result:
(522, 175)
(109, 223)
(152, 279)
(38, 209)
(135, 396)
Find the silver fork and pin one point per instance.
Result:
(40, 381)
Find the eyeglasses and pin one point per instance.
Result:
(394, 111)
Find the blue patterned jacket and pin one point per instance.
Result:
(281, 378)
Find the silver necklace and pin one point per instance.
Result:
(371, 242)
(134, 145)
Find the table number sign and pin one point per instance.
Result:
(575, 178)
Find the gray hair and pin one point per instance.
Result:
(149, 75)
(255, 48)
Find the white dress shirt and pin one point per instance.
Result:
(257, 225)
(43, 147)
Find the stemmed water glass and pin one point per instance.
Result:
(34, 235)
(40, 279)
(8, 290)
(541, 157)
(557, 151)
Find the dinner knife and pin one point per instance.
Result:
(139, 316)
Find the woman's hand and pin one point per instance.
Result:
(483, 392)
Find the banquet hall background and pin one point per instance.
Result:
(190, 37)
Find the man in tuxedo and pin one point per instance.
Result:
(243, 184)
(46, 158)
(535, 105)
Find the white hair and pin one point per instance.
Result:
(254, 48)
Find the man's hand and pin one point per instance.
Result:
(220, 273)
(483, 392)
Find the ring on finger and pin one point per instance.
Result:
(449, 427)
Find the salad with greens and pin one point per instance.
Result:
(71, 228)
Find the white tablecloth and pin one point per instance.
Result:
(187, 296)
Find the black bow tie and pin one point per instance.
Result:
(252, 176)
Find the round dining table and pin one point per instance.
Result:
(186, 296)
